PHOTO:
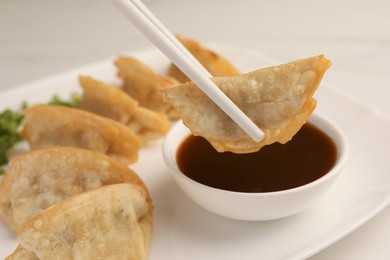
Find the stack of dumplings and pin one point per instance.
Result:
(65, 201)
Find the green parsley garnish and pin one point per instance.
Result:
(9, 134)
(73, 102)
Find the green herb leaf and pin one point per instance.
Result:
(73, 102)
(9, 135)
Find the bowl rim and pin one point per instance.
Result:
(342, 156)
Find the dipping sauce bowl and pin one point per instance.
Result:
(256, 205)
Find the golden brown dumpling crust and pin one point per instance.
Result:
(278, 100)
(213, 62)
(41, 178)
(111, 222)
(144, 85)
(109, 101)
(48, 126)
(22, 254)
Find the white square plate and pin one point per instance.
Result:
(182, 230)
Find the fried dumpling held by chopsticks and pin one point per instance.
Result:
(110, 222)
(278, 100)
(41, 178)
(111, 102)
(214, 63)
(49, 125)
(144, 85)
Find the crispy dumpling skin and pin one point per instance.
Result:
(111, 102)
(48, 126)
(41, 178)
(22, 253)
(277, 99)
(110, 222)
(144, 85)
(214, 63)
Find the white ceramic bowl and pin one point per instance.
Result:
(255, 206)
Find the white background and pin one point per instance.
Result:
(42, 37)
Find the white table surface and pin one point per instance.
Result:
(42, 37)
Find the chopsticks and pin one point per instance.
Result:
(160, 36)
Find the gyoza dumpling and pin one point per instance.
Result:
(109, 101)
(278, 100)
(144, 84)
(111, 222)
(48, 125)
(41, 178)
(213, 62)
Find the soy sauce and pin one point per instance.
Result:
(307, 157)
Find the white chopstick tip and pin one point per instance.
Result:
(258, 136)
(251, 129)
